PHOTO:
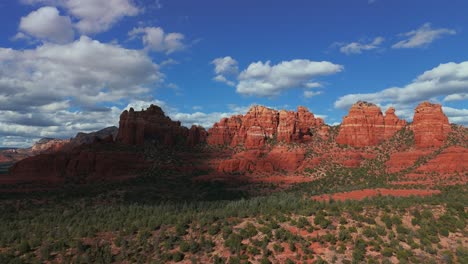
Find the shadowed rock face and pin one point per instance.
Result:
(365, 125)
(261, 123)
(430, 125)
(78, 166)
(152, 124)
(108, 134)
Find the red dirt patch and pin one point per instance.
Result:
(361, 194)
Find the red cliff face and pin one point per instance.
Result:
(262, 123)
(151, 124)
(430, 125)
(366, 126)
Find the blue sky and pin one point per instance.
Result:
(73, 65)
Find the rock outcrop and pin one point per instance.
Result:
(365, 125)
(196, 135)
(452, 160)
(250, 161)
(108, 133)
(430, 125)
(261, 123)
(48, 145)
(78, 166)
(135, 127)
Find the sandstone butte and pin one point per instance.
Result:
(430, 125)
(261, 123)
(152, 124)
(365, 125)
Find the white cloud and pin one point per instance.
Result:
(221, 78)
(313, 85)
(422, 36)
(456, 97)
(47, 24)
(266, 80)
(359, 47)
(58, 90)
(86, 70)
(449, 80)
(309, 94)
(93, 16)
(155, 39)
(168, 62)
(443, 80)
(225, 67)
(458, 116)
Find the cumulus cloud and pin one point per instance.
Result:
(58, 90)
(93, 16)
(456, 97)
(443, 80)
(47, 24)
(155, 39)
(266, 80)
(309, 94)
(86, 70)
(221, 78)
(448, 81)
(225, 66)
(458, 116)
(359, 47)
(422, 36)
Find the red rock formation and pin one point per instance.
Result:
(430, 125)
(196, 135)
(392, 123)
(262, 123)
(282, 158)
(452, 160)
(402, 160)
(278, 159)
(366, 126)
(222, 132)
(286, 126)
(79, 166)
(151, 124)
(48, 145)
(4, 158)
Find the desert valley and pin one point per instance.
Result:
(268, 186)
